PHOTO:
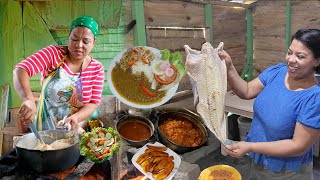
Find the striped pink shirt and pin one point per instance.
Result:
(46, 60)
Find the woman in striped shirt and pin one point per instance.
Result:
(72, 81)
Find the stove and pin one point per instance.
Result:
(84, 169)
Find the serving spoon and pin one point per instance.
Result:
(35, 132)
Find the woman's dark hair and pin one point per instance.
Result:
(311, 39)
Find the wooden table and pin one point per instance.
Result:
(236, 105)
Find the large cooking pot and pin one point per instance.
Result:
(128, 126)
(50, 160)
(196, 121)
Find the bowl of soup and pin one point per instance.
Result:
(135, 130)
(132, 81)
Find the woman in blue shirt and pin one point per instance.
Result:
(286, 120)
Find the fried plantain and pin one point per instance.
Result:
(148, 150)
(145, 163)
(165, 172)
(158, 153)
(157, 148)
(154, 163)
(162, 164)
(142, 158)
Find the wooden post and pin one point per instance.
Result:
(247, 72)
(3, 111)
(208, 20)
(140, 27)
(288, 24)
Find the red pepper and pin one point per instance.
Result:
(135, 51)
(146, 90)
(101, 155)
(101, 142)
(131, 62)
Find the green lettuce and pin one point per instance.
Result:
(165, 54)
(98, 158)
(176, 60)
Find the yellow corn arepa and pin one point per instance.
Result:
(218, 172)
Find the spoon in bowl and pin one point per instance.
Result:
(35, 132)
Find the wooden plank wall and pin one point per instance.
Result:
(188, 14)
(229, 26)
(269, 28)
(305, 14)
(177, 14)
(269, 18)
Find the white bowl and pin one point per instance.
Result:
(166, 98)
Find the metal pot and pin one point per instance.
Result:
(51, 160)
(139, 112)
(125, 118)
(195, 120)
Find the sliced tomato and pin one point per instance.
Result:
(146, 90)
(162, 79)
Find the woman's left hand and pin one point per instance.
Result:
(73, 122)
(238, 150)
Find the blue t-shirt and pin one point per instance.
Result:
(276, 111)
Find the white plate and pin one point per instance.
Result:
(176, 160)
(166, 98)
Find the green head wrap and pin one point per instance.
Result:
(88, 22)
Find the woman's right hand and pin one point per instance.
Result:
(27, 111)
(225, 56)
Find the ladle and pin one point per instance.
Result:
(35, 132)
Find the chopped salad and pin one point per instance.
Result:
(99, 144)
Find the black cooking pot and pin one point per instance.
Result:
(196, 121)
(122, 119)
(48, 161)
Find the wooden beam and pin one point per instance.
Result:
(32, 0)
(247, 72)
(140, 27)
(208, 20)
(288, 24)
(3, 111)
(246, 4)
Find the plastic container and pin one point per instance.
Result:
(244, 126)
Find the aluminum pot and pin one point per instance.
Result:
(121, 119)
(139, 112)
(48, 161)
(179, 115)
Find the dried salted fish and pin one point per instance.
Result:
(208, 76)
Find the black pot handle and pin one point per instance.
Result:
(121, 116)
(158, 113)
(156, 135)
